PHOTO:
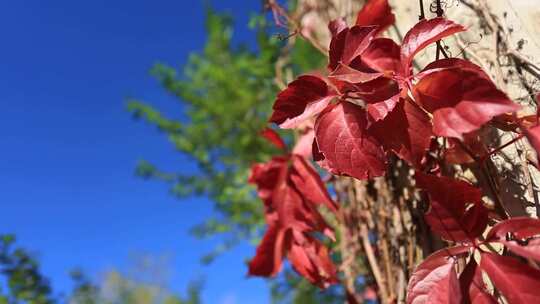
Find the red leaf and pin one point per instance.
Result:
(304, 145)
(303, 98)
(349, 44)
(381, 94)
(376, 12)
(521, 229)
(448, 215)
(309, 183)
(267, 175)
(446, 63)
(289, 205)
(379, 110)
(347, 74)
(406, 131)
(439, 89)
(435, 280)
(517, 282)
(460, 100)
(382, 55)
(340, 133)
(337, 26)
(268, 259)
(274, 138)
(423, 34)
(473, 288)
(311, 259)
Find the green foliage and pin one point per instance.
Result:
(24, 281)
(226, 92)
(145, 283)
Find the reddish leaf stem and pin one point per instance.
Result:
(483, 158)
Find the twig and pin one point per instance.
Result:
(373, 262)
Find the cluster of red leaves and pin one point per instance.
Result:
(292, 191)
(372, 104)
(458, 215)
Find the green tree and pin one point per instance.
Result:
(146, 282)
(227, 92)
(24, 281)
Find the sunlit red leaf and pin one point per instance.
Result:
(525, 233)
(347, 74)
(268, 259)
(304, 145)
(348, 44)
(379, 110)
(301, 100)
(448, 215)
(309, 183)
(460, 101)
(274, 138)
(311, 259)
(455, 152)
(376, 12)
(340, 133)
(267, 175)
(406, 131)
(518, 282)
(435, 279)
(446, 63)
(473, 288)
(336, 26)
(423, 34)
(382, 55)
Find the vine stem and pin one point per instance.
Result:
(440, 49)
(499, 206)
(422, 15)
(483, 159)
(370, 253)
(297, 27)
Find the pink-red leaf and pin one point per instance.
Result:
(309, 183)
(473, 288)
(348, 44)
(449, 216)
(382, 55)
(268, 259)
(406, 131)
(274, 138)
(518, 283)
(461, 101)
(311, 259)
(347, 74)
(376, 12)
(522, 229)
(304, 145)
(347, 148)
(435, 279)
(301, 100)
(423, 34)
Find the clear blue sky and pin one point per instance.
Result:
(68, 147)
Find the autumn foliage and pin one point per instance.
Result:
(371, 106)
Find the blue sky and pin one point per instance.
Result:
(69, 148)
